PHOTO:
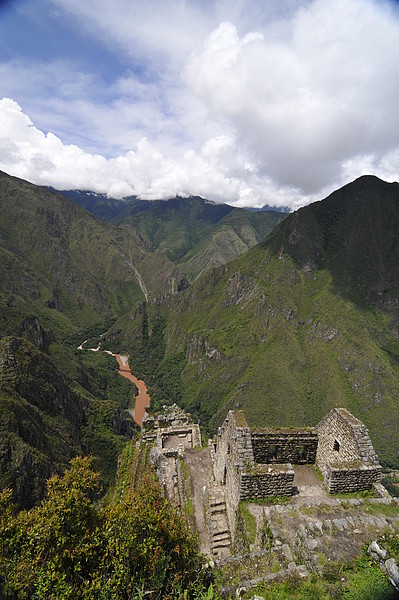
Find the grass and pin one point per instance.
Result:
(360, 580)
(388, 510)
(362, 494)
(250, 521)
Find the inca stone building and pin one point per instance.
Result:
(257, 463)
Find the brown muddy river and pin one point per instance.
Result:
(143, 399)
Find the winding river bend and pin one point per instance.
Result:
(143, 399)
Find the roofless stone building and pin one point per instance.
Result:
(257, 463)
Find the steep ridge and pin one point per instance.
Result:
(354, 233)
(301, 323)
(193, 233)
(59, 262)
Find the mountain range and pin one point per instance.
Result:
(192, 232)
(305, 321)
(301, 322)
(65, 276)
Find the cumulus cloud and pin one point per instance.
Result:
(239, 101)
(306, 106)
(217, 171)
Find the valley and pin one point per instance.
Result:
(142, 400)
(299, 324)
(282, 317)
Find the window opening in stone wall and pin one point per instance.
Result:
(302, 453)
(224, 475)
(336, 446)
(272, 452)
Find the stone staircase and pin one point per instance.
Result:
(218, 526)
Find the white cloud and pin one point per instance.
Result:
(306, 106)
(236, 100)
(217, 171)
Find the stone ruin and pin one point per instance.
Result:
(253, 464)
(245, 464)
(172, 430)
(170, 433)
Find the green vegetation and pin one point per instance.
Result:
(391, 483)
(49, 415)
(364, 582)
(362, 494)
(194, 234)
(64, 266)
(297, 326)
(70, 547)
(249, 520)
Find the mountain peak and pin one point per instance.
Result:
(353, 226)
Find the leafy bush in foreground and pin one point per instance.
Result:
(69, 547)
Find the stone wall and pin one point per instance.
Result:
(276, 480)
(345, 454)
(171, 429)
(298, 446)
(233, 455)
(350, 477)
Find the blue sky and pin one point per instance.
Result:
(243, 101)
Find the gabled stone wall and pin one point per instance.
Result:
(257, 463)
(345, 454)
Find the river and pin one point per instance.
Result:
(142, 400)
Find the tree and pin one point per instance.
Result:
(71, 547)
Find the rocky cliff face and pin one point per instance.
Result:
(40, 419)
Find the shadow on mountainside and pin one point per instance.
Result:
(354, 235)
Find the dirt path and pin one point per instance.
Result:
(199, 465)
(308, 485)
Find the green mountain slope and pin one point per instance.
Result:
(193, 233)
(60, 263)
(303, 322)
(46, 419)
(64, 275)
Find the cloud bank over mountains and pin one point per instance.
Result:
(240, 102)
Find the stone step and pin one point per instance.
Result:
(217, 502)
(217, 505)
(220, 510)
(220, 527)
(220, 537)
(218, 519)
(221, 544)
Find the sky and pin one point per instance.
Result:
(248, 102)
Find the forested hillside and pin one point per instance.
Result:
(303, 322)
